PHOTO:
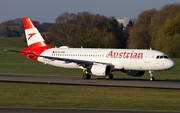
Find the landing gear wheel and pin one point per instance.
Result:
(109, 76)
(151, 75)
(152, 79)
(86, 76)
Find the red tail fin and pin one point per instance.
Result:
(33, 37)
(35, 42)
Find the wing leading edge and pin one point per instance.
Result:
(77, 61)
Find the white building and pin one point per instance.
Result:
(125, 21)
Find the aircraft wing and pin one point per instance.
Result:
(78, 61)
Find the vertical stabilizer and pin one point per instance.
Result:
(33, 37)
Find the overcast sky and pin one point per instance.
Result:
(49, 10)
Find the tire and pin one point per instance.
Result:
(152, 79)
(86, 76)
(109, 76)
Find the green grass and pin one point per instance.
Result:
(13, 42)
(60, 96)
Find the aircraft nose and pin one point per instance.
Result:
(170, 64)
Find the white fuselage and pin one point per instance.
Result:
(127, 59)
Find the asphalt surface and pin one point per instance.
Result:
(77, 80)
(74, 80)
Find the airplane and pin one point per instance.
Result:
(96, 61)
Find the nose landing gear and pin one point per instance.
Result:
(151, 75)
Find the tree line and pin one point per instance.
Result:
(87, 30)
(14, 28)
(156, 29)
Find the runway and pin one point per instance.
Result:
(94, 81)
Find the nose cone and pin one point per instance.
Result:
(170, 64)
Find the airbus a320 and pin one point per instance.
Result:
(99, 62)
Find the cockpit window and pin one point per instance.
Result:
(165, 56)
(162, 56)
(157, 57)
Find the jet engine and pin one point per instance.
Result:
(135, 73)
(101, 70)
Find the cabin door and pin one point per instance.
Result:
(147, 58)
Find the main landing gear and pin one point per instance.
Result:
(87, 75)
(109, 76)
(151, 75)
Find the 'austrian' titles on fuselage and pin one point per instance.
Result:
(125, 54)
